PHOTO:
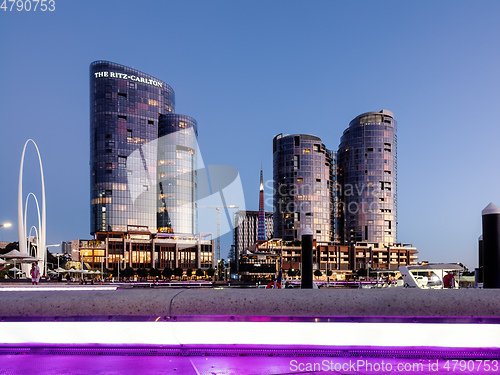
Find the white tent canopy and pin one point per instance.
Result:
(15, 254)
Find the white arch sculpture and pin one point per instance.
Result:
(29, 235)
(39, 223)
(21, 219)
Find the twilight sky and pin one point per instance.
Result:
(248, 70)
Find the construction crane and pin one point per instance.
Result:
(218, 225)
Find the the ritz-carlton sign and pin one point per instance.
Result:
(147, 81)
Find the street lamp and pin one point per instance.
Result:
(102, 266)
(58, 255)
(81, 259)
(217, 208)
(6, 225)
(119, 265)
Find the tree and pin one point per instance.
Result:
(106, 272)
(189, 272)
(167, 272)
(142, 272)
(154, 272)
(362, 272)
(318, 273)
(292, 272)
(51, 259)
(329, 273)
(128, 272)
(200, 273)
(211, 272)
(178, 272)
(11, 246)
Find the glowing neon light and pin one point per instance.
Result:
(54, 288)
(287, 334)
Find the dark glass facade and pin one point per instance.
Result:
(126, 109)
(367, 169)
(303, 187)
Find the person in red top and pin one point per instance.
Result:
(449, 280)
(35, 274)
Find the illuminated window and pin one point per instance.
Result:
(182, 124)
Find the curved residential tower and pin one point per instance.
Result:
(367, 177)
(303, 183)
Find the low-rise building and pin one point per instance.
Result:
(142, 249)
(381, 256)
(265, 259)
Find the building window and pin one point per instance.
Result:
(122, 161)
(296, 162)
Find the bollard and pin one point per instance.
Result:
(491, 246)
(307, 259)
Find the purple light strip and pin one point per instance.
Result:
(253, 350)
(255, 318)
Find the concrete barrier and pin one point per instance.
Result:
(466, 303)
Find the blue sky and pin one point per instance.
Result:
(248, 70)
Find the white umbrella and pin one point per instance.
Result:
(14, 269)
(77, 271)
(2, 261)
(15, 254)
(28, 260)
(59, 269)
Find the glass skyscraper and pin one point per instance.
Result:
(303, 187)
(142, 155)
(177, 174)
(367, 179)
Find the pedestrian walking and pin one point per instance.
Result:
(35, 273)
